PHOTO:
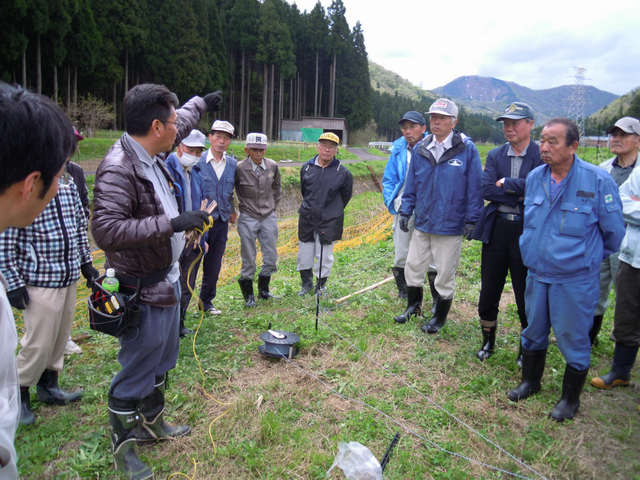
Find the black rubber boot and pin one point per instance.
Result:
(532, 369)
(440, 318)
(184, 331)
(26, 415)
(595, 329)
(519, 358)
(47, 390)
(620, 373)
(123, 419)
(569, 403)
(321, 285)
(246, 286)
(435, 296)
(414, 305)
(263, 288)
(307, 281)
(401, 282)
(152, 427)
(488, 343)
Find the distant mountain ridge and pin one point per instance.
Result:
(490, 95)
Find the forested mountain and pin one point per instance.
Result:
(489, 95)
(271, 60)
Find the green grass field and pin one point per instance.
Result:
(284, 420)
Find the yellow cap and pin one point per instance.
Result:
(331, 137)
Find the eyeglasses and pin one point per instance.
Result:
(325, 146)
(64, 179)
(178, 125)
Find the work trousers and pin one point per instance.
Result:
(499, 256)
(608, 271)
(266, 232)
(626, 319)
(308, 252)
(568, 308)
(148, 351)
(47, 321)
(217, 239)
(401, 241)
(189, 255)
(443, 251)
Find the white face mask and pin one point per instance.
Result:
(187, 160)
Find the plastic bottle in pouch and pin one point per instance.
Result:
(111, 283)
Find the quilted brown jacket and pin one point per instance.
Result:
(129, 222)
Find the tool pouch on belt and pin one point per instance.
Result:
(118, 313)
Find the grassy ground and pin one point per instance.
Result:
(282, 423)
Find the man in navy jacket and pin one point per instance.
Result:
(443, 190)
(218, 172)
(500, 224)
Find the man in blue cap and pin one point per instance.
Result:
(413, 128)
(500, 224)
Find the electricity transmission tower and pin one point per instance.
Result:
(577, 101)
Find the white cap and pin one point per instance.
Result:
(257, 140)
(111, 272)
(223, 126)
(195, 139)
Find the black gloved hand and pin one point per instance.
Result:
(214, 101)
(468, 230)
(89, 272)
(190, 220)
(18, 298)
(404, 223)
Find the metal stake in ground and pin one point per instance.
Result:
(387, 455)
(320, 235)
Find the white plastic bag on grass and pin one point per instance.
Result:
(357, 462)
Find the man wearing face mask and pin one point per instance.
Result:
(183, 168)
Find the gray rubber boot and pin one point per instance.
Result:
(123, 419)
(48, 391)
(152, 427)
(307, 281)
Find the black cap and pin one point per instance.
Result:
(413, 116)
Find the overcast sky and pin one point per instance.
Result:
(535, 44)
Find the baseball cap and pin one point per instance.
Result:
(444, 107)
(413, 116)
(331, 137)
(223, 126)
(516, 111)
(257, 140)
(195, 139)
(627, 125)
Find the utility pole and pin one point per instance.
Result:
(577, 102)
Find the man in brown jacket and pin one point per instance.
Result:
(137, 222)
(258, 188)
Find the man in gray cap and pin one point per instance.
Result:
(624, 142)
(500, 224)
(443, 190)
(258, 187)
(413, 127)
(183, 166)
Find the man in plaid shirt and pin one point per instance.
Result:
(42, 264)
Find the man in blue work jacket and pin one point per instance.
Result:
(572, 220)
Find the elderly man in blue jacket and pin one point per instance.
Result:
(500, 225)
(413, 127)
(572, 221)
(183, 166)
(218, 172)
(443, 190)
